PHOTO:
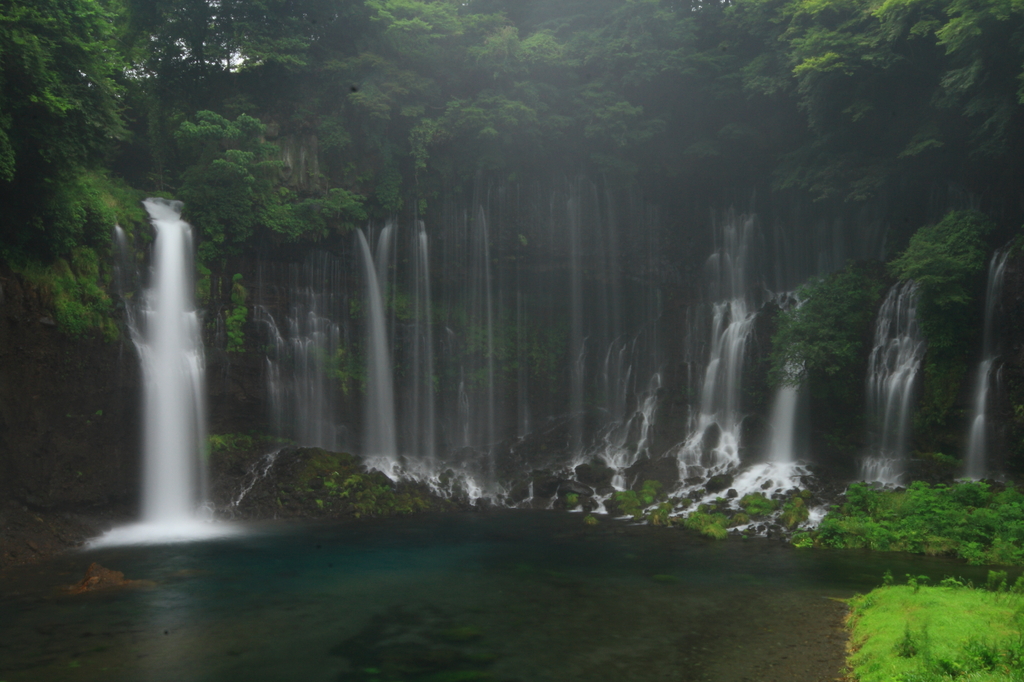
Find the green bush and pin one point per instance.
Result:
(756, 504)
(75, 293)
(708, 524)
(966, 520)
(947, 261)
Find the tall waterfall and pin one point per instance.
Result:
(892, 373)
(977, 440)
(166, 332)
(380, 442)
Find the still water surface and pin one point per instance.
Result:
(525, 596)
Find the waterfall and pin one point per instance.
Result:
(166, 331)
(302, 393)
(783, 424)
(977, 439)
(713, 444)
(892, 373)
(380, 444)
(577, 343)
(623, 443)
(173, 365)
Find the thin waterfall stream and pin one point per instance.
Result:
(977, 440)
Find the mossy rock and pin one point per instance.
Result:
(318, 483)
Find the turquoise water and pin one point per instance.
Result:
(495, 596)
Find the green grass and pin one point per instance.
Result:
(915, 633)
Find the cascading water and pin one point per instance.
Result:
(713, 445)
(977, 439)
(303, 396)
(893, 365)
(166, 332)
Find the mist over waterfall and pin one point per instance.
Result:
(893, 367)
(978, 436)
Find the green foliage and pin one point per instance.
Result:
(235, 318)
(660, 515)
(918, 633)
(967, 520)
(233, 442)
(756, 504)
(59, 114)
(348, 368)
(230, 188)
(794, 512)
(822, 338)
(708, 524)
(350, 489)
(947, 261)
(75, 293)
(628, 503)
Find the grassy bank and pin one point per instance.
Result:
(952, 631)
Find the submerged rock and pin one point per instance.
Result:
(99, 578)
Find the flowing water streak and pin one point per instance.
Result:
(892, 373)
(977, 440)
(380, 442)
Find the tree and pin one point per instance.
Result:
(59, 114)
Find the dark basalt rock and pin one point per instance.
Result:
(570, 486)
(718, 483)
(664, 470)
(595, 474)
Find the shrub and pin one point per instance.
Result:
(756, 504)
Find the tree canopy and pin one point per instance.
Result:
(837, 100)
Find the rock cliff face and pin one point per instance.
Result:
(69, 410)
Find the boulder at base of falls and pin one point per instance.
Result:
(718, 483)
(664, 470)
(595, 474)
